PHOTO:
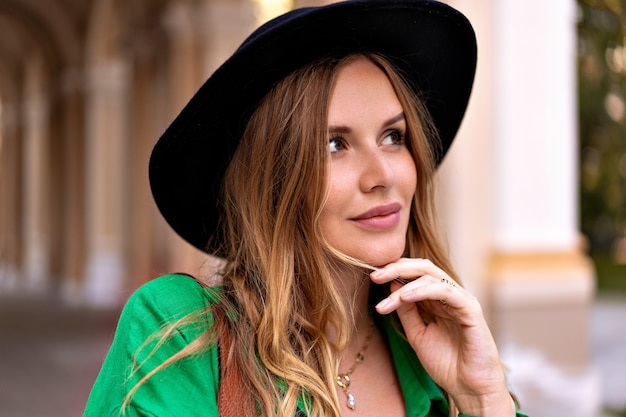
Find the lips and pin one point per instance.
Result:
(380, 217)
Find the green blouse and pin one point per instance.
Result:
(189, 387)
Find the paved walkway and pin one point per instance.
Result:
(50, 355)
(608, 345)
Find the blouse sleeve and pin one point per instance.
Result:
(187, 387)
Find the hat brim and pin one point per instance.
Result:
(432, 44)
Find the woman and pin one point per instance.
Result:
(306, 162)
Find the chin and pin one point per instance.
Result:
(380, 258)
(379, 263)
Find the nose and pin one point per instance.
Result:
(377, 171)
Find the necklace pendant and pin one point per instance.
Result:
(343, 380)
(351, 402)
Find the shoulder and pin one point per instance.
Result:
(164, 301)
(173, 295)
(159, 323)
(176, 287)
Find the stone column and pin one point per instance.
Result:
(10, 197)
(105, 165)
(73, 183)
(148, 123)
(222, 26)
(36, 166)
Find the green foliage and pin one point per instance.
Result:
(616, 413)
(602, 106)
(611, 276)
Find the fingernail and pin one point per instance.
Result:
(383, 304)
(377, 273)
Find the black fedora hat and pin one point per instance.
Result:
(432, 44)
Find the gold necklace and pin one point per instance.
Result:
(343, 380)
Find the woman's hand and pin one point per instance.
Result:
(445, 326)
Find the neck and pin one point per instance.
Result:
(354, 287)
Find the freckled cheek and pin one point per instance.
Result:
(331, 211)
(335, 208)
(411, 185)
(407, 173)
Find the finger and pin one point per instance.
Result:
(388, 304)
(394, 300)
(406, 269)
(411, 320)
(444, 290)
(456, 302)
(426, 287)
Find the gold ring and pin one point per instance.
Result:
(449, 282)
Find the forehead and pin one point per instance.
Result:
(361, 88)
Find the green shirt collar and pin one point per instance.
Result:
(422, 397)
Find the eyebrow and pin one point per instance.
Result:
(346, 129)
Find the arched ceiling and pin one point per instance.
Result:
(50, 28)
(57, 30)
(54, 25)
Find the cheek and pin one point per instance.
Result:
(408, 174)
(318, 192)
(334, 205)
(331, 208)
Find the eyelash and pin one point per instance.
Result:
(399, 137)
(337, 139)
(398, 134)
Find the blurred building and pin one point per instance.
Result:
(87, 86)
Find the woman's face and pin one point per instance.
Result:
(372, 175)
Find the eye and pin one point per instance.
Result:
(336, 144)
(394, 137)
